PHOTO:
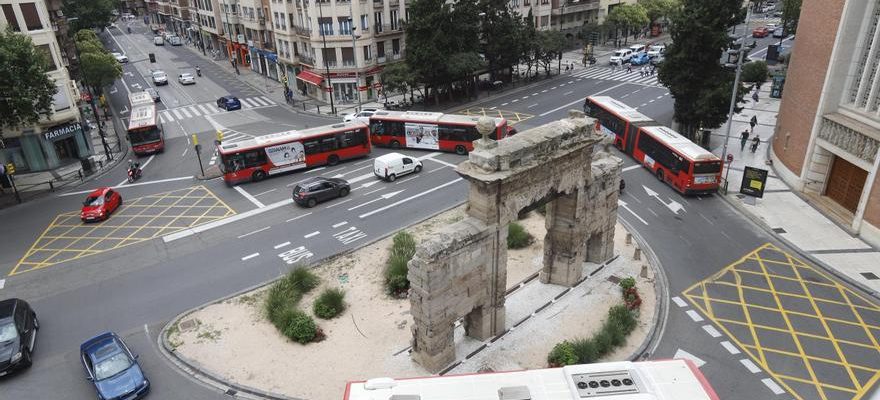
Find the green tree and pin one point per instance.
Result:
(99, 69)
(628, 18)
(791, 14)
(25, 89)
(502, 31)
(90, 14)
(755, 72)
(548, 46)
(699, 84)
(398, 78)
(656, 9)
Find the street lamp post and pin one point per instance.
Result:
(740, 55)
(324, 55)
(357, 77)
(561, 16)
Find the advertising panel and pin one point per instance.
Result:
(754, 181)
(422, 136)
(287, 156)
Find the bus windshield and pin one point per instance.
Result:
(707, 167)
(144, 135)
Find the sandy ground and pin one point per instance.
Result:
(233, 339)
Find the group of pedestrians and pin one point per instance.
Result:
(744, 136)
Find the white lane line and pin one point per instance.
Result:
(280, 245)
(298, 217)
(352, 171)
(249, 256)
(130, 185)
(268, 100)
(437, 169)
(314, 170)
(194, 110)
(245, 102)
(532, 105)
(679, 302)
(256, 231)
(568, 93)
(143, 167)
(773, 386)
(514, 100)
(261, 193)
(214, 224)
(340, 224)
(570, 82)
(659, 97)
(492, 108)
(374, 191)
(534, 94)
(729, 347)
(544, 91)
(504, 104)
(694, 316)
(368, 160)
(711, 331)
(580, 101)
(205, 110)
(185, 149)
(2, 283)
(431, 157)
(341, 202)
(395, 204)
(525, 97)
(630, 168)
(249, 197)
(259, 101)
(750, 365)
(147, 331)
(707, 219)
(315, 233)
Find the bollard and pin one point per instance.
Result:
(637, 254)
(80, 174)
(319, 109)
(629, 238)
(304, 106)
(644, 273)
(51, 187)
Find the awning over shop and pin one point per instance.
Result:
(310, 77)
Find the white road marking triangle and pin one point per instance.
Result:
(688, 356)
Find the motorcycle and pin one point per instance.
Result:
(134, 173)
(198, 71)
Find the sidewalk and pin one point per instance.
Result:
(785, 212)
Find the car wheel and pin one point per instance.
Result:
(333, 160)
(343, 192)
(392, 178)
(660, 175)
(395, 144)
(418, 168)
(311, 203)
(460, 150)
(258, 176)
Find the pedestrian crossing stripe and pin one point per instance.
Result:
(185, 112)
(194, 110)
(619, 75)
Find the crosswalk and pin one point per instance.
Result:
(185, 112)
(618, 74)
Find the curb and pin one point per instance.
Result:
(661, 297)
(193, 370)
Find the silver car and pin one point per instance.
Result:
(121, 58)
(160, 78)
(186, 79)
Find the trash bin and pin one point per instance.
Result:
(776, 89)
(88, 165)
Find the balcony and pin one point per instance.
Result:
(302, 31)
(230, 18)
(308, 60)
(393, 3)
(573, 6)
(261, 21)
(386, 29)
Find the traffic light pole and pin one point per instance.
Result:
(14, 189)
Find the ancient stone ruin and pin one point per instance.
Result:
(461, 272)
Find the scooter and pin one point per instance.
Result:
(134, 174)
(198, 71)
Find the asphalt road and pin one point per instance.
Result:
(135, 290)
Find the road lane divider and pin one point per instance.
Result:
(235, 218)
(254, 232)
(579, 101)
(313, 234)
(415, 196)
(131, 185)
(249, 256)
(280, 245)
(249, 197)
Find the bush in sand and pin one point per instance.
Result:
(402, 250)
(330, 303)
(517, 237)
(281, 302)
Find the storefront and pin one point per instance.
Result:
(50, 149)
(309, 82)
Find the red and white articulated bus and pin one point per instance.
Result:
(430, 130)
(673, 158)
(145, 130)
(255, 159)
(623, 380)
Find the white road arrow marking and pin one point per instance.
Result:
(688, 356)
(382, 197)
(673, 205)
(623, 204)
(124, 110)
(113, 90)
(128, 74)
(136, 86)
(368, 184)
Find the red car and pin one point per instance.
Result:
(760, 32)
(100, 204)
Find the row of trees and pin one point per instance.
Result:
(97, 66)
(627, 19)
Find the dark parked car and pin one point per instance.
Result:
(154, 94)
(18, 333)
(112, 368)
(315, 190)
(229, 103)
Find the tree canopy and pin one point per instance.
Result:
(97, 66)
(656, 9)
(25, 89)
(692, 71)
(791, 15)
(628, 17)
(90, 13)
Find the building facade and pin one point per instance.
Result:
(828, 129)
(59, 139)
(566, 15)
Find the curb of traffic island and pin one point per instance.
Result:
(211, 172)
(194, 370)
(800, 252)
(661, 297)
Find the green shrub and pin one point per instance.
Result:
(281, 298)
(330, 303)
(562, 354)
(755, 71)
(301, 328)
(404, 244)
(627, 283)
(585, 351)
(402, 250)
(622, 316)
(302, 279)
(603, 341)
(517, 237)
(542, 209)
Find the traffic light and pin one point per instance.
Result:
(152, 58)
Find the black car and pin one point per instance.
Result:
(154, 94)
(315, 190)
(18, 333)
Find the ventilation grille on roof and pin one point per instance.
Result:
(597, 384)
(514, 393)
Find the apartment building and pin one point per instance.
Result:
(827, 140)
(566, 15)
(59, 139)
(180, 17)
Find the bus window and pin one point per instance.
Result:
(254, 158)
(311, 147)
(377, 128)
(328, 144)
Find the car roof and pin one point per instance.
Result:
(98, 192)
(102, 338)
(6, 307)
(392, 156)
(229, 97)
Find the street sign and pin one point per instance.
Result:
(219, 136)
(152, 57)
(195, 139)
(754, 182)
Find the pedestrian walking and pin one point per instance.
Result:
(755, 143)
(753, 122)
(755, 96)
(629, 68)
(641, 72)
(743, 139)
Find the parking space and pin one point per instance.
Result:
(817, 337)
(513, 117)
(137, 220)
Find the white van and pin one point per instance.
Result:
(158, 41)
(393, 165)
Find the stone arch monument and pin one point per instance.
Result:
(461, 271)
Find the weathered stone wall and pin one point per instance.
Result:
(461, 272)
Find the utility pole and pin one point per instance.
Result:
(357, 77)
(740, 52)
(324, 54)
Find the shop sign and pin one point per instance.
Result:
(62, 131)
(343, 74)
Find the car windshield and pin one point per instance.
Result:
(619, 53)
(94, 201)
(158, 74)
(111, 365)
(7, 331)
(185, 76)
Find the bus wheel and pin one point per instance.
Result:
(332, 160)
(660, 175)
(460, 150)
(395, 144)
(258, 176)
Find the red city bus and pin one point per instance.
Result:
(145, 131)
(674, 159)
(257, 158)
(430, 130)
